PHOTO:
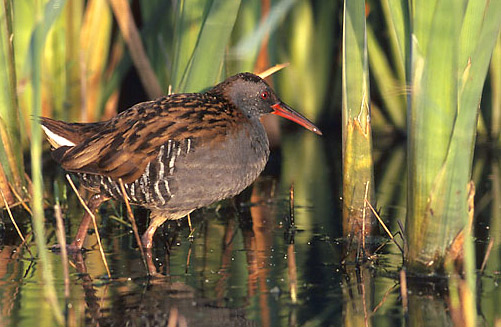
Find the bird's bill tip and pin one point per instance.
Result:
(283, 110)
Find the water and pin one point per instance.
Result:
(244, 266)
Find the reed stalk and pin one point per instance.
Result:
(357, 139)
(45, 19)
(11, 168)
(451, 49)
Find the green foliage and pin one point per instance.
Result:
(10, 135)
(495, 88)
(309, 48)
(206, 62)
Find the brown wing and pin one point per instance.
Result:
(125, 144)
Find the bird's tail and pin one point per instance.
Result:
(60, 133)
(57, 132)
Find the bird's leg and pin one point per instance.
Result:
(156, 221)
(93, 204)
(147, 240)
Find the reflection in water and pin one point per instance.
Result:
(357, 296)
(92, 301)
(11, 269)
(170, 304)
(239, 269)
(258, 243)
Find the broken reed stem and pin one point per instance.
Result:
(363, 214)
(487, 253)
(12, 217)
(403, 290)
(191, 228)
(93, 217)
(291, 254)
(364, 294)
(173, 317)
(384, 225)
(272, 70)
(292, 270)
(61, 239)
(14, 223)
(291, 206)
(188, 258)
(133, 222)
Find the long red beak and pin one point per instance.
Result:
(281, 109)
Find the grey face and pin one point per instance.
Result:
(253, 97)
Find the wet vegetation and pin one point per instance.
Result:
(391, 218)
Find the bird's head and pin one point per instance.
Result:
(254, 97)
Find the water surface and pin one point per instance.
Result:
(244, 265)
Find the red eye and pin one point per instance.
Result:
(265, 95)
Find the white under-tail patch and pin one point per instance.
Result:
(56, 140)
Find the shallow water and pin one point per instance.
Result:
(244, 266)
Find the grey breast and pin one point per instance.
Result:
(208, 174)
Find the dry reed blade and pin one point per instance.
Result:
(61, 239)
(72, 264)
(4, 185)
(93, 217)
(384, 225)
(14, 223)
(17, 252)
(383, 300)
(131, 36)
(133, 222)
(272, 70)
(21, 201)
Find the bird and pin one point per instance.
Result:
(174, 154)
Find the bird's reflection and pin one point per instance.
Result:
(173, 298)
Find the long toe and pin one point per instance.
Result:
(70, 248)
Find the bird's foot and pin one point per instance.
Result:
(70, 248)
(150, 265)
